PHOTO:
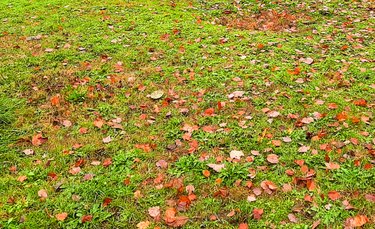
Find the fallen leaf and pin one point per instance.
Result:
(360, 102)
(67, 123)
(55, 100)
(356, 221)
(243, 226)
(206, 173)
(231, 213)
(88, 176)
(157, 94)
(107, 162)
(75, 170)
(273, 114)
(107, 139)
(370, 197)
(38, 139)
(333, 195)
(303, 149)
(273, 158)
(235, 154)
(307, 120)
(86, 218)
(331, 165)
(307, 60)
(42, 194)
(107, 201)
(143, 225)
(251, 198)
(154, 212)
(162, 164)
(28, 152)
(236, 94)
(216, 167)
(292, 218)
(21, 178)
(257, 213)
(61, 216)
(98, 123)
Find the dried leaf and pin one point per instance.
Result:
(273, 158)
(157, 94)
(154, 211)
(61, 216)
(257, 213)
(42, 194)
(235, 154)
(216, 167)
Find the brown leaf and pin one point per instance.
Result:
(61, 216)
(107, 162)
(273, 158)
(107, 139)
(292, 218)
(21, 178)
(42, 194)
(370, 197)
(38, 139)
(28, 152)
(333, 195)
(106, 201)
(331, 165)
(75, 170)
(356, 221)
(236, 154)
(216, 167)
(154, 212)
(86, 218)
(98, 123)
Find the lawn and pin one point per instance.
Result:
(191, 113)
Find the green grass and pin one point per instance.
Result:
(108, 56)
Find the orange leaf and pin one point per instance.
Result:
(341, 116)
(209, 112)
(333, 195)
(243, 226)
(356, 221)
(360, 102)
(61, 216)
(206, 173)
(55, 100)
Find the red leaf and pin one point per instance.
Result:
(106, 201)
(86, 218)
(257, 213)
